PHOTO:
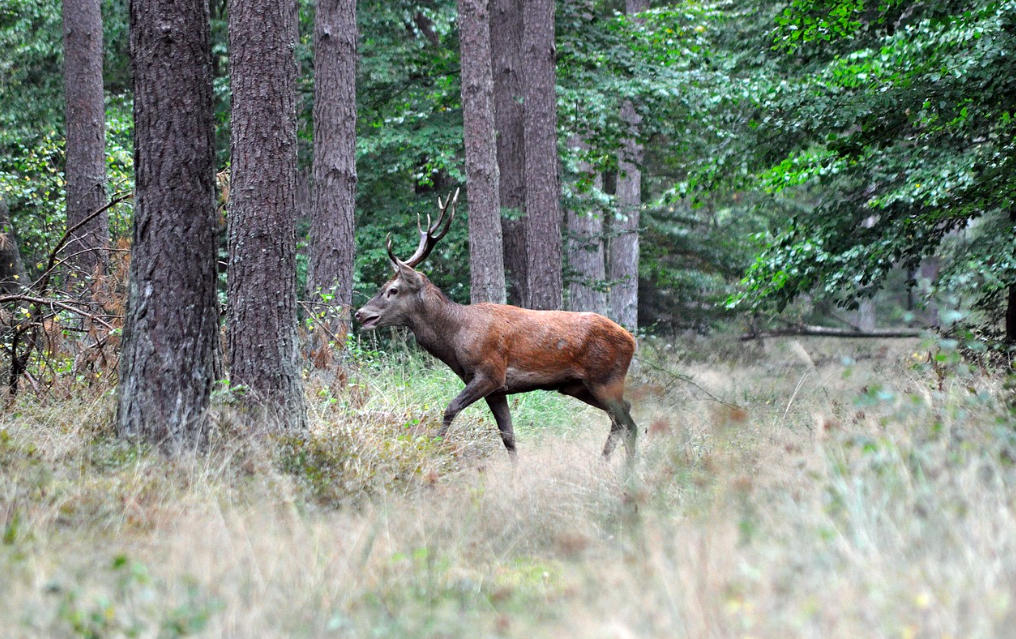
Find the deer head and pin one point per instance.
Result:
(399, 299)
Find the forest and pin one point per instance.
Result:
(260, 261)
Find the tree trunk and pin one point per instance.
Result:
(85, 113)
(1010, 311)
(584, 248)
(866, 315)
(261, 277)
(171, 338)
(623, 250)
(1010, 315)
(506, 62)
(543, 187)
(12, 268)
(332, 224)
(486, 262)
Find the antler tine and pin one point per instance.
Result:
(434, 231)
(442, 207)
(419, 227)
(391, 254)
(448, 203)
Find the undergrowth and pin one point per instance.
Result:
(811, 489)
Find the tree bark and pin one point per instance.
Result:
(332, 224)
(1010, 315)
(486, 262)
(171, 339)
(1010, 310)
(584, 249)
(542, 179)
(506, 62)
(866, 318)
(623, 249)
(85, 113)
(261, 276)
(12, 267)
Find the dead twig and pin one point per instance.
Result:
(41, 302)
(42, 283)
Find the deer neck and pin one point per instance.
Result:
(436, 326)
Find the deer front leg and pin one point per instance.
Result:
(477, 388)
(498, 403)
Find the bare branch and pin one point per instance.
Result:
(42, 283)
(41, 301)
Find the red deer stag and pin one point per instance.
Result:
(501, 350)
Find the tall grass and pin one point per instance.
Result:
(811, 489)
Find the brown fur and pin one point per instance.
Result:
(500, 350)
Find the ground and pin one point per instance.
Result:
(811, 488)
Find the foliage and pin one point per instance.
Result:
(31, 122)
(893, 137)
(409, 121)
(817, 144)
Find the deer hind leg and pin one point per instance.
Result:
(615, 434)
(611, 399)
(579, 391)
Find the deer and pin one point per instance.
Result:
(500, 350)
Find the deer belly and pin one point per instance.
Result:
(521, 380)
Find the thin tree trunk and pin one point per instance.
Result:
(12, 268)
(584, 248)
(543, 187)
(171, 338)
(506, 62)
(332, 239)
(866, 315)
(85, 114)
(261, 277)
(623, 249)
(1010, 311)
(1010, 315)
(486, 262)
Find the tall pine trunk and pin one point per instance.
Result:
(12, 267)
(486, 263)
(623, 250)
(1010, 315)
(584, 246)
(542, 180)
(332, 226)
(85, 114)
(261, 276)
(171, 339)
(506, 63)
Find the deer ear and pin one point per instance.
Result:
(407, 273)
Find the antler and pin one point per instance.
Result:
(433, 234)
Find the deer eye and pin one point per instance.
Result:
(393, 291)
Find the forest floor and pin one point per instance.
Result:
(810, 488)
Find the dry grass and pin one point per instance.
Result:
(847, 490)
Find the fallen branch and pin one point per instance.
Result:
(803, 330)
